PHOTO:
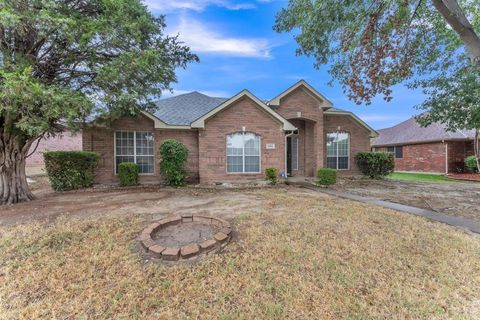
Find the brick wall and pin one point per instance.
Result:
(190, 139)
(212, 141)
(424, 157)
(311, 113)
(359, 135)
(457, 152)
(101, 140)
(66, 141)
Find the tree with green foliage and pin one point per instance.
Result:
(454, 99)
(373, 45)
(174, 156)
(63, 61)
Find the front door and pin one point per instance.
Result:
(289, 156)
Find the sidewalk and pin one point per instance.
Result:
(467, 224)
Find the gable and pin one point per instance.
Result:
(321, 100)
(331, 117)
(299, 103)
(243, 113)
(257, 103)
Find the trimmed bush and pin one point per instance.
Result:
(70, 170)
(471, 164)
(326, 177)
(172, 166)
(271, 174)
(128, 174)
(375, 164)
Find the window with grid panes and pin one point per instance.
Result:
(137, 147)
(338, 153)
(243, 153)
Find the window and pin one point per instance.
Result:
(397, 151)
(295, 152)
(243, 153)
(134, 146)
(338, 145)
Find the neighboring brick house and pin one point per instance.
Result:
(425, 149)
(65, 141)
(235, 139)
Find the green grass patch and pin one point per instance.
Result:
(420, 177)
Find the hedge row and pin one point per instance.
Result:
(375, 164)
(69, 170)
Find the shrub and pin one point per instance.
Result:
(326, 176)
(69, 170)
(128, 174)
(471, 164)
(271, 174)
(172, 166)
(375, 164)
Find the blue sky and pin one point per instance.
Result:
(238, 49)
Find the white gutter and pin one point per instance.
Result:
(446, 158)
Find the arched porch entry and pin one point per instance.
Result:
(300, 148)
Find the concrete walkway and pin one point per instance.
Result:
(467, 224)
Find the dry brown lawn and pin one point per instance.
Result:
(298, 255)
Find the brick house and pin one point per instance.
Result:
(235, 139)
(66, 141)
(425, 149)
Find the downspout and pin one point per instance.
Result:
(446, 158)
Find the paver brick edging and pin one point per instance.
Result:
(192, 250)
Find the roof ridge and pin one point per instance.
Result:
(439, 126)
(461, 132)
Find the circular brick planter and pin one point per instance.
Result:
(153, 243)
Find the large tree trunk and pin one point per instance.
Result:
(13, 180)
(455, 17)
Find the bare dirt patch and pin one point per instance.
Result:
(456, 198)
(183, 234)
(152, 202)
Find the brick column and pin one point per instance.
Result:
(319, 143)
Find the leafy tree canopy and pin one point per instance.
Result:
(453, 99)
(63, 60)
(373, 45)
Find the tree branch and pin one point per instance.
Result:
(453, 14)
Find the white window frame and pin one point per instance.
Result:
(348, 148)
(297, 139)
(134, 151)
(243, 133)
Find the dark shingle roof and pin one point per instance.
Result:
(183, 109)
(410, 131)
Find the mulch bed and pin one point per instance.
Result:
(465, 176)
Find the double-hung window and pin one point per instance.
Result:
(397, 151)
(137, 147)
(243, 153)
(338, 150)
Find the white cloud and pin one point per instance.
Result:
(195, 5)
(202, 38)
